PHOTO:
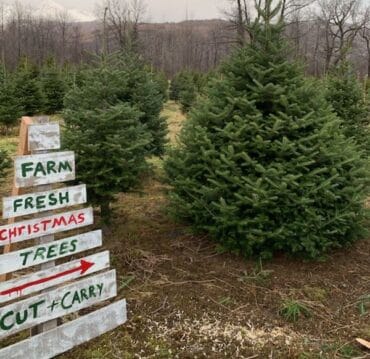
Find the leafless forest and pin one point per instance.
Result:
(321, 34)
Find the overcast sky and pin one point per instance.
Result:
(165, 10)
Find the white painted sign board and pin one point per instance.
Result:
(23, 231)
(57, 303)
(44, 137)
(48, 168)
(43, 253)
(35, 282)
(43, 201)
(58, 341)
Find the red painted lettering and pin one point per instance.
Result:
(81, 218)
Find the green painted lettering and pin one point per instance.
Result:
(64, 198)
(17, 204)
(35, 307)
(52, 199)
(25, 255)
(64, 167)
(28, 203)
(64, 306)
(74, 245)
(92, 291)
(76, 298)
(40, 169)
(51, 167)
(40, 253)
(40, 202)
(63, 248)
(100, 287)
(3, 325)
(18, 318)
(52, 252)
(26, 167)
(84, 294)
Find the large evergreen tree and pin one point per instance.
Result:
(262, 164)
(345, 94)
(109, 140)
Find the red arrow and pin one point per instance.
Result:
(83, 268)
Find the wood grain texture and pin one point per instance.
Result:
(69, 335)
(44, 137)
(76, 195)
(21, 150)
(37, 255)
(57, 303)
(30, 179)
(40, 227)
(26, 285)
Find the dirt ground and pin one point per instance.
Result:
(186, 300)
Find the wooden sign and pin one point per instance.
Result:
(43, 201)
(69, 335)
(57, 303)
(29, 284)
(44, 137)
(22, 231)
(43, 253)
(67, 287)
(36, 170)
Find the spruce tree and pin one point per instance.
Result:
(53, 88)
(262, 164)
(109, 140)
(345, 94)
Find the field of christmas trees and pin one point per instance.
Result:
(234, 203)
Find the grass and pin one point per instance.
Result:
(293, 310)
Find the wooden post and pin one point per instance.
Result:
(22, 150)
(44, 240)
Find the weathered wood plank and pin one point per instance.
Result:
(69, 335)
(22, 150)
(57, 303)
(43, 201)
(22, 231)
(44, 137)
(40, 254)
(35, 282)
(36, 170)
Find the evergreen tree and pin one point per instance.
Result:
(125, 79)
(10, 108)
(262, 164)
(109, 140)
(28, 89)
(345, 94)
(53, 88)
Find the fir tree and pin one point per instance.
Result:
(125, 79)
(262, 164)
(11, 109)
(53, 88)
(345, 94)
(109, 140)
(28, 89)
